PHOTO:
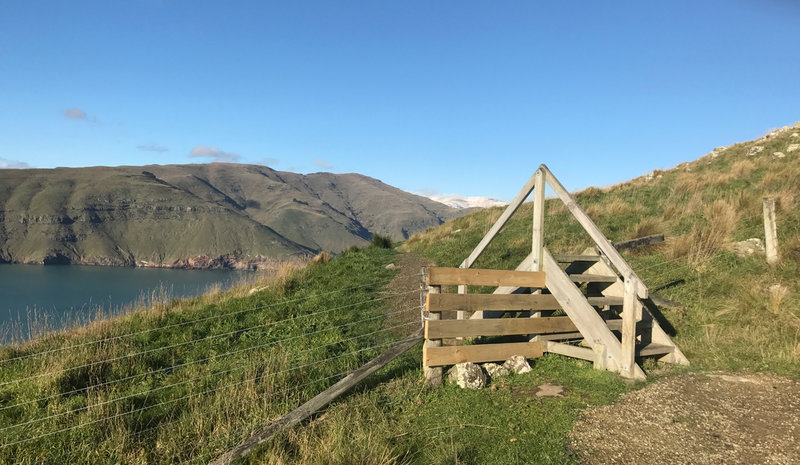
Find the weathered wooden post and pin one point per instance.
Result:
(770, 231)
(629, 314)
(433, 375)
(538, 221)
(537, 240)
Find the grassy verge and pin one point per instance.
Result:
(184, 380)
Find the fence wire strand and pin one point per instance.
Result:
(209, 391)
(181, 344)
(198, 378)
(188, 322)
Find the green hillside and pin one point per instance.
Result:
(168, 215)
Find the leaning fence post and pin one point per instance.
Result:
(770, 231)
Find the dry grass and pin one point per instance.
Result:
(742, 168)
(707, 239)
(321, 258)
(745, 201)
(556, 207)
(614, 208)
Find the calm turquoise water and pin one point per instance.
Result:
(54, 296)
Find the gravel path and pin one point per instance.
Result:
(708, 418)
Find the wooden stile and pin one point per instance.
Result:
(465, 276)
(529, 289)
(439, 356)
(439, 329)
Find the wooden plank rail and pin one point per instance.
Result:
(470, 277)
(438, 329)
(583, 353)
(439, 356)
(480, 302)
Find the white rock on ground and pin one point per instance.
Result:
(495, 371)
(778, 155)
(755, 150)
(517, 364)
(792, 148)
(467, 375)
(748, 247)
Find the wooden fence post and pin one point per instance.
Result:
(433, 375)
(537, 239)
(537, 243)
(629, 312)
(770, 231)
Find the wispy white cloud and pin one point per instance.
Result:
(201, 151)
(269, 161)
(75, 113)
(12, 164)
(152, 148)
(323, 163)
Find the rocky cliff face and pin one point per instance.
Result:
(198, 216)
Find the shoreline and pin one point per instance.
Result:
(201, 262)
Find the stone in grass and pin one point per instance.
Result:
(517, 364)
(467, 376)
(749, 247)
(495, 371)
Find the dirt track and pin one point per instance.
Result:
(708, 418)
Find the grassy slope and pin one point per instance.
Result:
(256, 369)
(730, 321)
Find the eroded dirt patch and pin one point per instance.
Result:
(710, 418)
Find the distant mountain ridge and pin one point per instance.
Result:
(217, 215)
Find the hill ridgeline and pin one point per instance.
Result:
(216, 215)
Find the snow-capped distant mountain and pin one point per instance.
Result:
(460, 201)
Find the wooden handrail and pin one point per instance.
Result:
(594, 232)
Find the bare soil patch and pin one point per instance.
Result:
(698, 418)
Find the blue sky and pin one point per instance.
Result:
(457, 97)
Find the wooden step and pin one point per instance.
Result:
(592, 278)
(558, 337)
(654, 349)
(569, 258)
(616, 325)
(604, 300)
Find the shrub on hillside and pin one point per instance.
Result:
(381, 242)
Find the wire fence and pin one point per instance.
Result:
(197, 340)
(215, 316)
(314, 347)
